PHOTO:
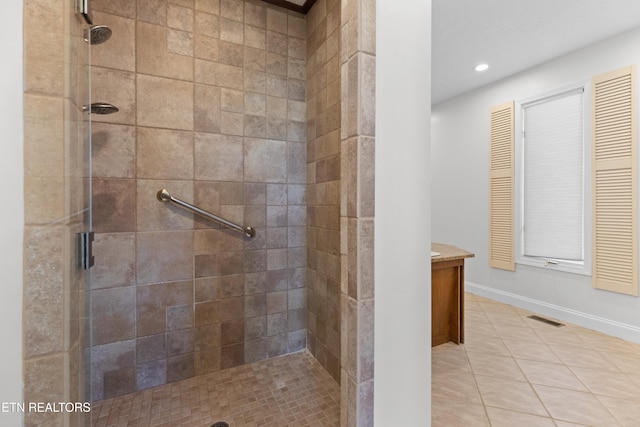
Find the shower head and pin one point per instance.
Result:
(101, 108)
(99, 34)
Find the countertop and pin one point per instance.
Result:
(448, 252)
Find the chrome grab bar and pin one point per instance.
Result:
(164, 196)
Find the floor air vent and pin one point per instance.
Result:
(547, 321)
(220, 424)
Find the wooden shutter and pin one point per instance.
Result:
(501, 215)
(615, 235)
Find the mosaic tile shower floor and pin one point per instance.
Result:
(288, 391)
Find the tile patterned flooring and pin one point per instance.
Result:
(287, 391)
(515, 371)
(511, 371)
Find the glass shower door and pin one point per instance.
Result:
(57, 211)
(78, 205)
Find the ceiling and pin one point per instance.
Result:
(513, 35)
(509, 35)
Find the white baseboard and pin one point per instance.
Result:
(600, 324)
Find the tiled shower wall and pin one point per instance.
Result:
(357, 210)
(56, 198)
(323, 178)
(185, 309)
(212, 98)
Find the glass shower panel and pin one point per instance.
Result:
(77, 140)
(57, 210)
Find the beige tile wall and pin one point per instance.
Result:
(173, 295)
(323, 183)
(56, 193)
(212, 98)
(357, 210)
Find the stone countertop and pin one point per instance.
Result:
(448, 252)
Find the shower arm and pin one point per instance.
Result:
(164, 196)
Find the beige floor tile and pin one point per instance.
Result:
(627, 412)
(626, 361)
(575, 406)
(531, 351)
(499, 336)
(491, 305)
(511, 332)
(484, 343)
(495, 366)
(613, 384)
(505, 418)
(550, 374)
(451, 413)
(475, 314)
(559, 335)
(481, 327)
(449, 357)
(598, 340)
(510, 318)
(582, 357)
(471, 304)
(635, 378)
(565, 424)
(459, 386)
(507, 394)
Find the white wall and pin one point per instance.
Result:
(402, 232)
(460, 159)
(12, 217)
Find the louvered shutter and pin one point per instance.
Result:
(615, 236)
(501, 215)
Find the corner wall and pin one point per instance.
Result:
(402, 225)
(323, 184)
(11, 226)
(460, 150)
(357, 210)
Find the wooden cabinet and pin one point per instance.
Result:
(447, 294)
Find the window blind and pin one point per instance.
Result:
(553, 177)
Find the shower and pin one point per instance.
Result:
(98, 34)
(171, 297)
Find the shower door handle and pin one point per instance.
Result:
(86, 259)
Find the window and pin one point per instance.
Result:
(551, 183)
(563, 220)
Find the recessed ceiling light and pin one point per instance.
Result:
(481, 67)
